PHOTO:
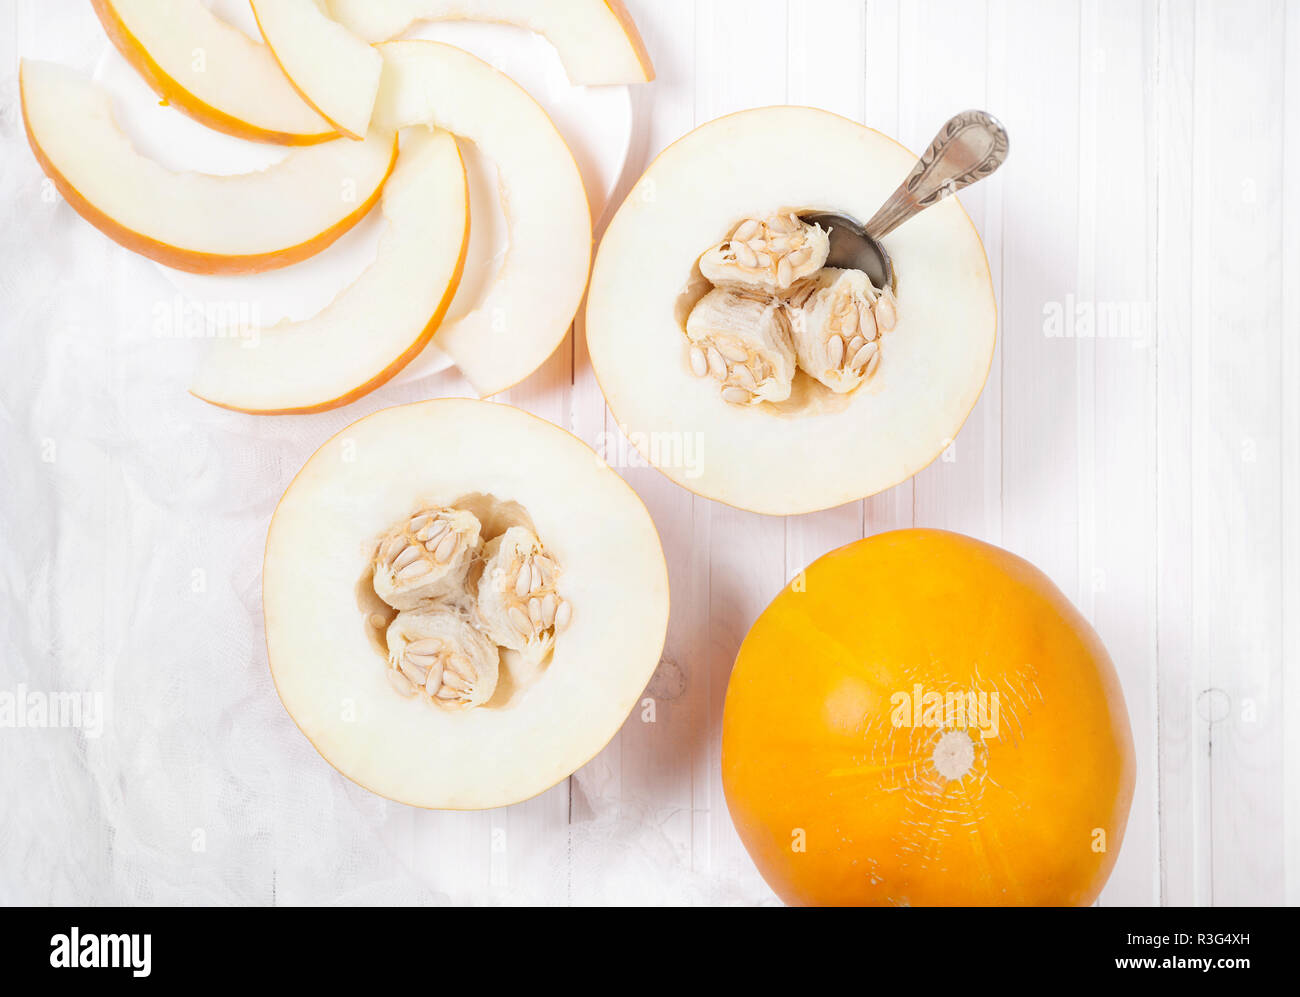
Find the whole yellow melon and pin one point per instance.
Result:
(924, 719)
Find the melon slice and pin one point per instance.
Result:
(195, 221)
(444, 506)
(596, 39)
(886, 376)
(330, 67)
(210, 70)
(526, 312)
(376, 326)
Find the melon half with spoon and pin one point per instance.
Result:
(712, 316)
(462, 603)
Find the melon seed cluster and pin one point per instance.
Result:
(446, 640)
(775, 306)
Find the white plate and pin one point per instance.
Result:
(595, 121)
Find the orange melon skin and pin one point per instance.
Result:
(835, 788)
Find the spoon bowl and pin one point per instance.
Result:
(852, 248)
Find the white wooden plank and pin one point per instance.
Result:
(992, 223)
(881, 39)
(962, 489)
(740, 62)
(665, 774)
(1117, 414)
(1040, 211)
(882, 96)
(825, 59)
(1236, 456)
(1291, 457)
(1184, 741)
(656, 770)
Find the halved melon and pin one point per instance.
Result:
(597, 40)
(195, 221)
(527, 311)
(869, 404)
(210, 70)
(376, 326)
(438, 606)
(330, 67)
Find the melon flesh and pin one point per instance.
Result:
(195, 221)
(536, 729)
(818, 449)
(211, 70)
(596, 39)
(528, 309)
(330, 67)
(376, 326)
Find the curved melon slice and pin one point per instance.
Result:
(527, 311)
(459, 473)
(195, 221)
(818, 447)
(380, 323)
(330, 67)
(597, 40)
(210, 70)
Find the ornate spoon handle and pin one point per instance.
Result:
(969, 147)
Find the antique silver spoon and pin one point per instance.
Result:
(969, 147)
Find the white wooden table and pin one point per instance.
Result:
(1138, 439)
